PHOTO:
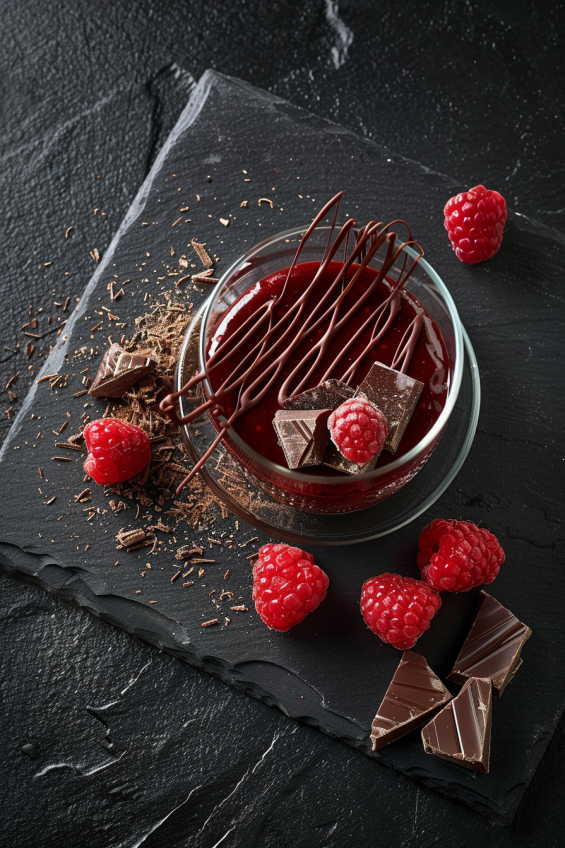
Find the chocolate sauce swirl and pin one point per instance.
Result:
(269, 336)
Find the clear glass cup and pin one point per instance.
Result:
(337, 493)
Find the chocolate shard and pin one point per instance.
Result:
(493, 647)
(303, 435)
(328, 395)
(460, 733)
(118, 371)
(334, 458)
(396, 395)
(413, 695)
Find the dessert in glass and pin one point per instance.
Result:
(307, 320)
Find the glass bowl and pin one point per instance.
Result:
(334, 493)
(243, 496)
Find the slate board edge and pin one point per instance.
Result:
(24, 564)
(190, 114)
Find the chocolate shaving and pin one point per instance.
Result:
(202, 253)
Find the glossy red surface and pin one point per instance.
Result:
(429, 362)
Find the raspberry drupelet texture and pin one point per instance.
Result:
(455, 556)
(116, 451)
(287, 585)
(475, 221)
(358, 429)
(398, 609)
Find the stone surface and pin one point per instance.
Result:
(328, 680)
(95, 90)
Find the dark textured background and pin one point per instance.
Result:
(126, 735)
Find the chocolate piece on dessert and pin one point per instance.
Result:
(303, 435)
(396, 394)
(460, 733)
(334, 458)
(328, 395)
(118, 371)
(493, 647)
(413, 694)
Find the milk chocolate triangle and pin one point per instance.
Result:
(303, 435)
(493, 647)
(414, 693)
(118, 371)
(460, 733)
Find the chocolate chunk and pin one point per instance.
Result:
(334, 458)
(493, 647)
(460, 733)
(303, 435)
(328, 395)
(414, 693)
(118, 371)
(396, 395)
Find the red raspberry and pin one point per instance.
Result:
(116, 450)
(398, 609)
(287, 585)
(358, 429)
(456, 556)
(474, 221)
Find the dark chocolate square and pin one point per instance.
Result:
(396, 395)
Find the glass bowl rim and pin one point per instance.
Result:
(412, 454)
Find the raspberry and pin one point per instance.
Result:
(398, 609)
(116, 450)
(358, 429)
(474, 221)
(287, 585)
(456, 556)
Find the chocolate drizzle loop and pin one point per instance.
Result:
(275, 337)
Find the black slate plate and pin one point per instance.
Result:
(331, 671)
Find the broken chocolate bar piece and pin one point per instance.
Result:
(414, 693)
(303, 435)
(493, 647)
(396, 395)
(334, 458)
(328, 395)
(118, 371)
(460, 733)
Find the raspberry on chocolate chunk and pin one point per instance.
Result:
(358, 430)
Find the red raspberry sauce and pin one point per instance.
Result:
(429, 363)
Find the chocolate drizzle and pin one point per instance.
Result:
(275, 337)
